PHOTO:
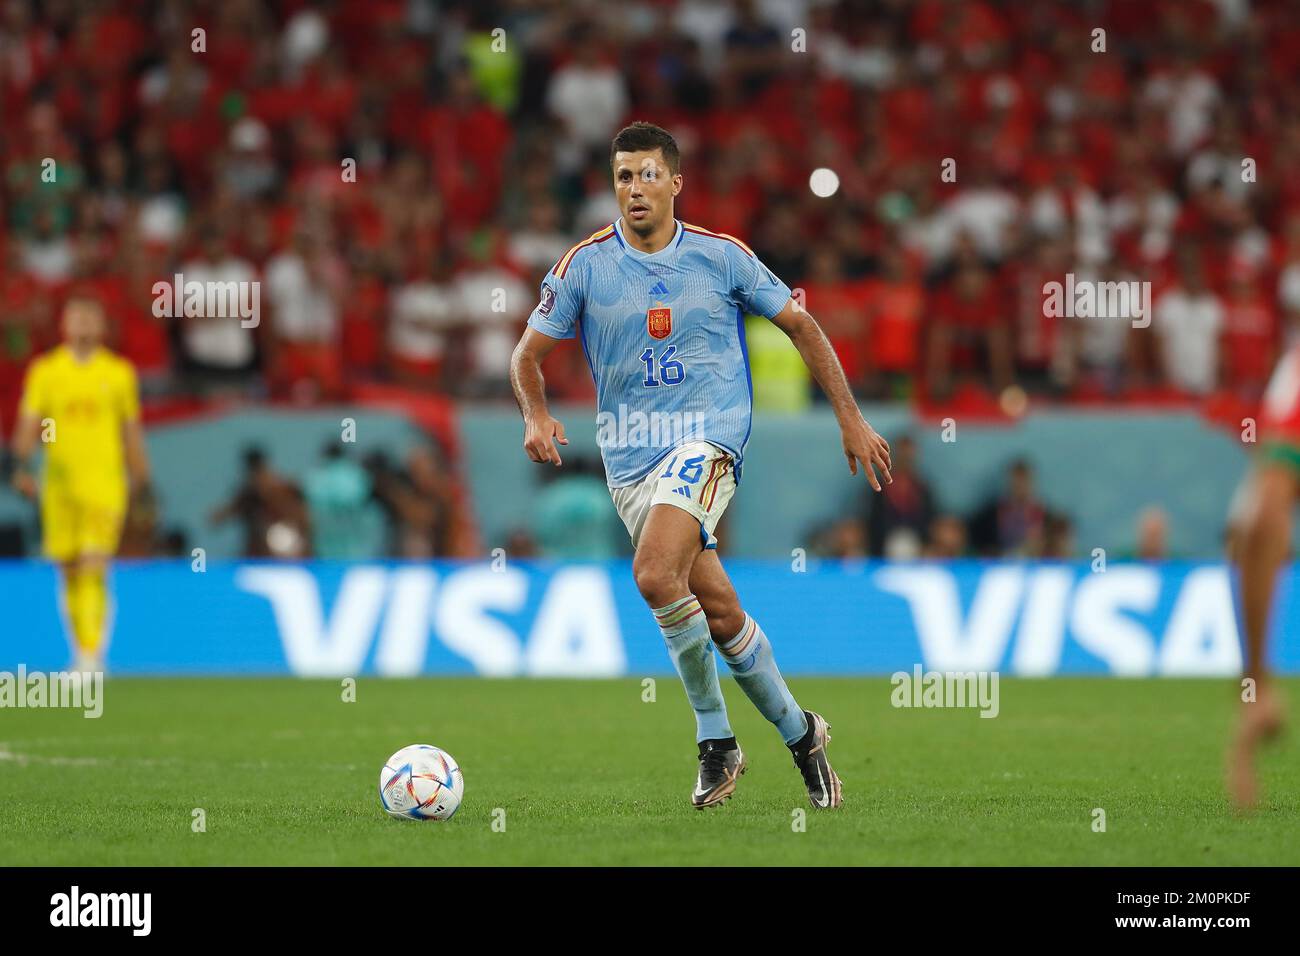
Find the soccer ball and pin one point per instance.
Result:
(421, 782)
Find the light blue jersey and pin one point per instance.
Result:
(664, 336)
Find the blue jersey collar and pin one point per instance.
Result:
(672, 243)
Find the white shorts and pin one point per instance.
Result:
(697, 477)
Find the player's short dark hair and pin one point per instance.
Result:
(643, 137)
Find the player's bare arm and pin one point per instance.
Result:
(862, 443)
(137, 457)
(26, 431)
(542, 432)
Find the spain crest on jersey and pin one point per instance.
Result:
(659, 322)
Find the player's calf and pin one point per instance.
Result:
(749, 655)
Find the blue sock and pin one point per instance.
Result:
(686, 632)
(749, 655)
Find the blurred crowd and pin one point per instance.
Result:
(908, 521)
(347, 508)
(398, 174)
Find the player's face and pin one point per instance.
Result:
(645, 189)
(83, 324)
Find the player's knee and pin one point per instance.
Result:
(92, 564)
(659, 584)
(1263, 534)
(1269, 520)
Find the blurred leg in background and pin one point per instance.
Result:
(1260, 547)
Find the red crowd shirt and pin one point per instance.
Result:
(1249, 334)
(841, 311)
(968, 317)
(896, 309)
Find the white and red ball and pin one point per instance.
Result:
(421, 782)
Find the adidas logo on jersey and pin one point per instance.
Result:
(659, 288)
(683, 490)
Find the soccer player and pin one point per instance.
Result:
(659, 307)
(1260, 544)
(80, 401)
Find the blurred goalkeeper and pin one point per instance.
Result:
(81, 403)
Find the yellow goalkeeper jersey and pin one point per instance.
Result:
(83, 407)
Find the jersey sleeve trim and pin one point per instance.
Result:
(701, 231)
(600, 235)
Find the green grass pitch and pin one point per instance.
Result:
(587, 773)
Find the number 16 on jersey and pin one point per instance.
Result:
(671, 371)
